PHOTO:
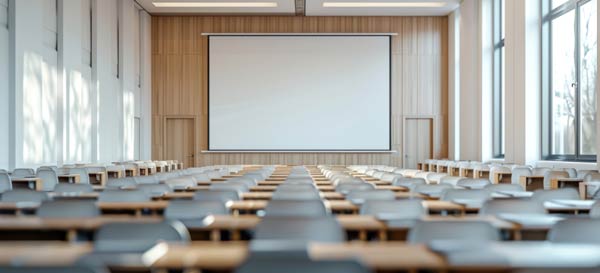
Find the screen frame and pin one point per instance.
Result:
(390, 67)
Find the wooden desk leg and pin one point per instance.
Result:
(362, 235)
(383, 235)
(72, 235)
(517, 235)
(138, 213)
(215, 235)
(236, 235)
(582, 191)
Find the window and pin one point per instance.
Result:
(569, 84)
(498, 114)
(4, 13)
(86, 30)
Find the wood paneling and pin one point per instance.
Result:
(420, 79)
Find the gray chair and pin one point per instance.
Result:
(408, 182)
(138, 237)
(540, 171)
(348, 187)
(201, 177)
(595, 210)
(70, 188)
(513, 206)
(155, 190)
(297, 208)
(300, 229)
(68, 209)
(297, 187)
(194, 209)
(52, 269)
(217, 195)
(549, 175)
(182, 183)
(232, 186)
(22, 195)
(84, 175)
(359, 196)
(455, 195)
(396, 213)
(49, 179)
(124, 196)
(123, 182)
(557, 194)
(250, 182)
(575, 231)
(518, 172)
(147, 179)
(299, 265)
(23, 172)
(425, 232)
(473, 183)
(433, 190)
(295, 195)
(572, 172)
(299, 180)
(504, 188)
(5, 182)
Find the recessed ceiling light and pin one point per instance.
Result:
(383, 4)
(215, 4)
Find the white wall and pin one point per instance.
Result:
(4, 87)
(63, 110)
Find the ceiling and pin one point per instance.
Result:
(304, 7)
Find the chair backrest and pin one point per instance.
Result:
(201, 177)
(234, 186)
(575, 231)
(298, 208)
(299, 265)
(194, 209)
(5, 182)
(497, 169)
(434, 190)
(300, 229)
(557, 194)
(68, 209)
(457, 194)
(451, 180)
(147, 179)
(296, 187)
(434, 178)
(518, 172)
(155, 189)
(595, 210)
(73, 188)
(138, 237)
(49, 179)
(389, 177)
(588, 176)
(124, 196)
(182, 183)
(250, 182)
(424, 232)
(572, 172)
(473, 183)
(504, 187)
(405, 209)
(299, 180)
(23, 172)
(118, 183)
(518, 206)
(295, 195)
(84, 175)
(408, 182)
(364, 195)
(549, 175)
(23, 195)
(540, 171)
(348, 187)
(217, 195)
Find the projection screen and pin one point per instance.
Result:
(299, 93)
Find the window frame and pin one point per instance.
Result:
(497, 76)
(548, 15)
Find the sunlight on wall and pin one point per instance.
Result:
(129, 119)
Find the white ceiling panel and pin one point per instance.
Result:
(220, 7)
(380, 7)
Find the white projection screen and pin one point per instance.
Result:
(299, 93)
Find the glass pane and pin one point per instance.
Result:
(556, 3)
(563, 76)
(588, 61)
(502, 18)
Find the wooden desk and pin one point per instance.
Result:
(502, 178)
(115, 173)
(98, 178)
(39, 253)
(136, 207)
(532, 182)
(69, 178)
(25, 182)
(379, 256)
(466, 172)
(131, 171)
(557, 183)
(453, 171)
(481, 173)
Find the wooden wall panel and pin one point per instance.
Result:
(420, 78)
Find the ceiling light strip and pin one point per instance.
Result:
(383, 4)
(215, 4)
